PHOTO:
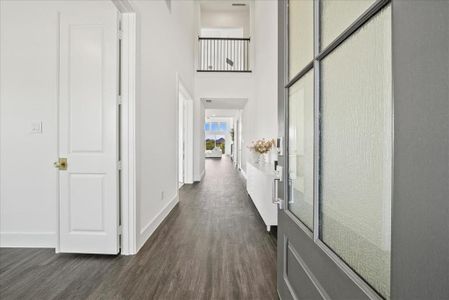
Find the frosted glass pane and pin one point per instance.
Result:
(337, 15)
(300, 166)
(300, 35)
(356, 151)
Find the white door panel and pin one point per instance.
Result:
(88, 132)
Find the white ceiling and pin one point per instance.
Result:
(223, 5)
(234, 103)
(220, 113)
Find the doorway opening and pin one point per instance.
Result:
(223, 130)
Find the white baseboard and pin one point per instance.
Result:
(28, 239)
(149, 229)
(200, 178)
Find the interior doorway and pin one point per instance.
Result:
(223, 130)
(219, 132)
(184, 136)
(238, 141)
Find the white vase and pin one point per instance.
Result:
(262, 159)
(254, 157)
(272, 156)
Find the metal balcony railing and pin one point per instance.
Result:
(223, 55)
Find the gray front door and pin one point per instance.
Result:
(364, 208)
(335, 118)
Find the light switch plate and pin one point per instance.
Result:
(36, 127)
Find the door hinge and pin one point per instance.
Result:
(119, 100)
(119, 165)
(120, 35)
(120, 230)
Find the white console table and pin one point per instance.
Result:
(259, 184)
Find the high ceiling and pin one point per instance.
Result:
(224, 5)
(234, 103)
(220, 113)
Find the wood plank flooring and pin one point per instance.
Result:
(213, 245)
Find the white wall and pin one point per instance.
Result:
(198, 138)
(29, 92)
(265, 68)
(160, 55)
(226, 19)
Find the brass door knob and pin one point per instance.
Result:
(61, 164)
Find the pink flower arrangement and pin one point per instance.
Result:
(262, 146)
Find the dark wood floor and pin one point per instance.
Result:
(213, 245)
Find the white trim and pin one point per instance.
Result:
(28, 239)
(243, 173)
(154, 223)
(123, 6)
(200, 177)
(188, 135)
(58, 133)
(128, 134)
(188, 132)
(177, 131)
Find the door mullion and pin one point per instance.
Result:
(316, 118)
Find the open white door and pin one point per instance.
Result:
(88, 132)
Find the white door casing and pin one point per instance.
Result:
(181, 139)
(88, 132)
(184, 133)
(188, 140)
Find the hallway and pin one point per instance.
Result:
(213, 245)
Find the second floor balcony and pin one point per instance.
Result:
(223, 54)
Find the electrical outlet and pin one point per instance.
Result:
(162, 195)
